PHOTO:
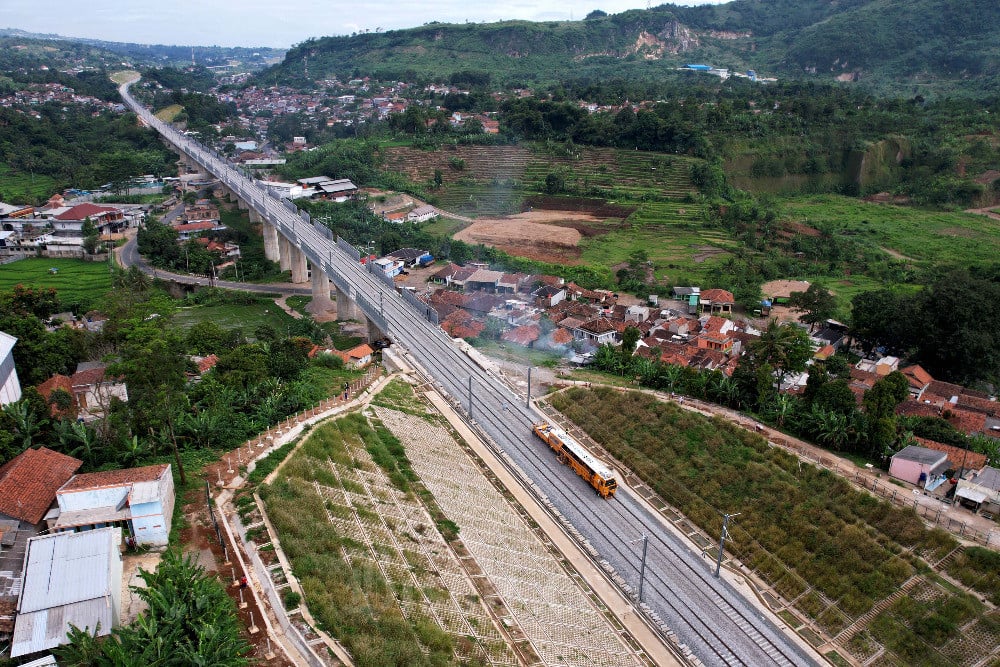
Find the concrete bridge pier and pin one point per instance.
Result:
(270, 232)
(346, 309)
(374, 333)
(284, 253)
(299, 264)
(321, 301)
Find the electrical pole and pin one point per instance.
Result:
(961, 471)
(722, 541)
(527, 400)
(642, 567)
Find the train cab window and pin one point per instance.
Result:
(612, 484)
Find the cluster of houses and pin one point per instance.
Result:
(35, 94)
(56, 229)
(354, 102)
(951, 472)
(61, 541)
(545, 311)
(313, 187)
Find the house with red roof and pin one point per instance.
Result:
(524, 335)
(141, 500)
(716, 301)
(58, 383)
(918, 379)
(93, 389)
(29, 481)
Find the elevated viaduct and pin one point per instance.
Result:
(706, 620)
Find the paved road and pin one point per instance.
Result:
(709, 616)
(128, 255)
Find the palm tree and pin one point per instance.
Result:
(27, 424)
(670, 377)
(784, 346)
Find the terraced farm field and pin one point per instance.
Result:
(492, 180)
(635, 200)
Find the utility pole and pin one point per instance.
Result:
(527, 399)
(722, 541)
(961, 471)
(642, 567)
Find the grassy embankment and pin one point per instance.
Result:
(832, 549)
(345, 590)
(922, 236)
(167, 114)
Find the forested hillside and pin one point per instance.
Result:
(882, 44)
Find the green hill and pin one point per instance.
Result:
(945, 45)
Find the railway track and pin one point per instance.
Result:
(708, 615)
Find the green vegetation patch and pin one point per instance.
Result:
(21, 187)
(799, 526)
(937, 237)
(75, 281)
(231, 316)
(350, 597)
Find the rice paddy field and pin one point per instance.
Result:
(76, 281)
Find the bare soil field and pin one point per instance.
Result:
(546, 235)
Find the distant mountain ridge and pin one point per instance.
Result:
(949, 45)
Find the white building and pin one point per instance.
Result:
(10, 387)
(981, 489)
(138, 499)
(69, 579)
(422, 214)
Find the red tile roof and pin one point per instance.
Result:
(957, 457)
(714, 324)
(718, 296)
(917, 376)
(207, 363)
(966, 421)
(57, 382)
(88, 377)
(28, 482)
(562, 337)
(360, 351)
(598, 326)
(99, 480)
(525, 335)
(84, 211)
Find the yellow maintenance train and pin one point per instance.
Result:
(572, 453)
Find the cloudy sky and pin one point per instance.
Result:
(272, 22)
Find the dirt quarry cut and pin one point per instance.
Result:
(546, 235)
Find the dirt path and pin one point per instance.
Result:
(989, 212)
(282, 302)
(896, 255)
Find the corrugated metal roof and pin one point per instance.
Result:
(919, 455)
(47, 628)
(67, 567)
(68, 579)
